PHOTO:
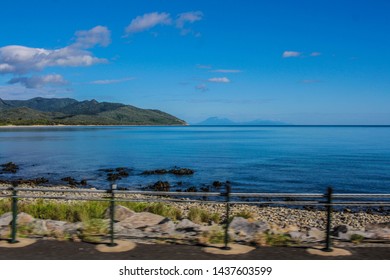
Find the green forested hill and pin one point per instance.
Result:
(67, 111)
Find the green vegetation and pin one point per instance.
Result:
(84, 211)
(215, 236)
(278, 239)
(164, 210)
(198, 216)
(357, 238)
(94, 230)
(244, 214)
(66, 111)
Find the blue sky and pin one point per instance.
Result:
(300, 62)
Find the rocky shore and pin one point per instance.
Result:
(249, 223)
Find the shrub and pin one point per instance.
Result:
(357, 238)
(5, 205)
(198, 216)
(244, 214)
(215, 236)
(76, 211)
(93, 230)
(278, 239)
(165, 210)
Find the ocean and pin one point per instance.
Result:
(351, 159)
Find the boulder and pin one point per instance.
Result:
(24, 219)
(124, 232)
(5, 219)
(342, 232)
(120, 213)
(379, 231)
(297, 235)
(166, 227)
(5, 232)
(290, 228)
(38, 227)
(345, 232)
(315, 234)
(244, 230)
(53, 225)
(186, 225)
(141, 220)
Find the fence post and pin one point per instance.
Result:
(328, 220)
(112, 215)
(226, 237)
(14, 213)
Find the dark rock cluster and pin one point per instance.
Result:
(159, 186)
(31, 182)
(9, 167)
(73, 182)
(114, 174)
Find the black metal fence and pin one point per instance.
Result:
(327, 201)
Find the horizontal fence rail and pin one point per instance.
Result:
(328, 200)
(291, 198)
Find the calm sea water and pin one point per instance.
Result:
(255, 158)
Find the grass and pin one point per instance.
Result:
(77, 211)
(94, 230)
(199, 216)
(244, 214)
(278, 239)
(214, 236)
(357, 238)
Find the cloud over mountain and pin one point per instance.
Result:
(18, 60)
(38, 81)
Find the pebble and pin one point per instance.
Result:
(280, 216)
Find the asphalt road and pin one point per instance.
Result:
(57, 250)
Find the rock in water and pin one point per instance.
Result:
(9, 167)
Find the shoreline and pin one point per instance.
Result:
(92, 125)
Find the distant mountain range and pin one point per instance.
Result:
(67, 111)
(225, 121)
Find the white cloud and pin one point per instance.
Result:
(219, 80)
(147, 21)
(99, 35)
(291, 54)
(226, 71)
(315, 54)
(150, 20)
(18, 60)
(38, 81)
(113, 81)
(188, 17)
(21, 92)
